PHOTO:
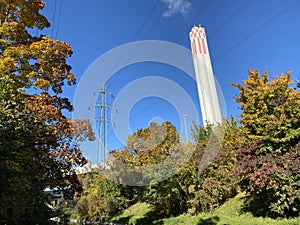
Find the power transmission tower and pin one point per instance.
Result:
(103, 122)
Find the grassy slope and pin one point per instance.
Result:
(229, 213)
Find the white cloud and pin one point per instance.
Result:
(177, 6)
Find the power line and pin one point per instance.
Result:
(137, 33)
(293, 4)
(228, 20)
(257, 29)
(192, 19)
(150, 13)
(202, 8)
(177, 35)
(139, 30)
(155, 102)
(53, 19)
(158, 17)
(182, 30)
(233, 15)
(58, 19)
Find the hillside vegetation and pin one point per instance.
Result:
(229, 213)
(257, 154)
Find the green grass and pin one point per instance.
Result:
(134, 214)
(228, 214)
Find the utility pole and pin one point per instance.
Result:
(185, 127)
(103, 121)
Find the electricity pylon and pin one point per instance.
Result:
(103, 122)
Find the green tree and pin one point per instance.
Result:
(37, 143)
(101, 199)
(18, 185)
(151, 148)
(167, 197)
(207, 185)
(270, 125)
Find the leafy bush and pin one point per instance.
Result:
(167, 197)
(102, 199)
(273, 182)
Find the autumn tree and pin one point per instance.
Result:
(150, 145)
(155, 154)
(145, 149)
(38, 145)
(270, 127)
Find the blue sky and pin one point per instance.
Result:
(241, 34)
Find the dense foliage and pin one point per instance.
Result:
(257, 154)
(268, 164)
(148, 147)
(208, 187)
(37, 141)
(192, 189)
(101, 199)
